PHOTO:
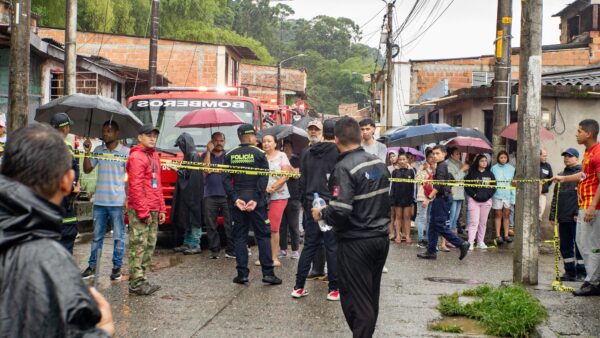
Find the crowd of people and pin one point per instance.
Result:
(344, 166)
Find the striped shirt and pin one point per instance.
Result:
(586, 189)
(110, 185)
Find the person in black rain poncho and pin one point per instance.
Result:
(41, 291)
(186, 213)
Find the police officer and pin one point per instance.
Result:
(246, 194)
(62, 122)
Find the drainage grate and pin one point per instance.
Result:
(453, 280)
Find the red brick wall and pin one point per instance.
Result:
(262, 80)
(459, 72)
(183, 63)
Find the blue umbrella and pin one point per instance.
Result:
(416, 135)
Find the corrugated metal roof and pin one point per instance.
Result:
(587, 76)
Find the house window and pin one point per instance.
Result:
(573, 27)
(482, 79)
(457, 120)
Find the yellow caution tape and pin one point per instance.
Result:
(213, 168)
(454, 183)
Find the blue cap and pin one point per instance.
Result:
(570, 152)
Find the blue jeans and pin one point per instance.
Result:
(440, 211)
(101, 216)
(313, 239)
(192, 237)
(422, 219)
(455, 212)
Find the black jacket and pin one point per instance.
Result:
(567, 198)
(243, 186)
(189, 189)
(293, 184)
(442, 174)
(546, 172)
(316, 165)
(403, 191)
(41, 290)
(480, 194)
(360, 205)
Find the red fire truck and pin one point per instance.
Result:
(165, 108)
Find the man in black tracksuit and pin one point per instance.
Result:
(360, 214)
(246, 194)
(316, 166)
(567, 218)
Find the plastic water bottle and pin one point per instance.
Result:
(319, 203)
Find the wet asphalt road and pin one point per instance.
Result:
(198, 298)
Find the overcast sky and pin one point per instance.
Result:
(467, 28)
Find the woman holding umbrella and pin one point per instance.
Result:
(277, 190)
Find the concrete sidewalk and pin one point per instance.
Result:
(198, 298)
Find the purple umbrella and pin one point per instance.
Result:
(418, 155)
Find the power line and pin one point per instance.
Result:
(104, 30)
(371, 19)
(434, 21)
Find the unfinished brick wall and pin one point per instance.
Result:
(262, 81)
(183, 63)
(459, 72)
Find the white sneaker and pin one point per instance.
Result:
(298, 293)
(471, 247)
(385, 270)
(482, 245)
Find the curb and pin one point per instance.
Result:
(543, 331)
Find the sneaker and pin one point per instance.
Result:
(115, 274)
(271, 280)
(464, 250)
(499, 240)
(384, 270)
(181, 248)
(249, 252)
(568, 277)
(422, 244)
(295, 255)
(240, 280)
(471, 247)
(194, 251)
(88, 273)
(508, 239)
(299, 293)
(587, 290)
(146, 289)
(482, 245)
(214, 255)
(427, 255)
(282, 254)
(257, 263)
(229, 254)
(333, 295)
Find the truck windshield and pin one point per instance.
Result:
(165, 113)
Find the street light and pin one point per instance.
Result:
(279, 77)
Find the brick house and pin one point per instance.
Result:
(261, 82)
(184, 63)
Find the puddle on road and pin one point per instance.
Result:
(469, 326)
(453, 280)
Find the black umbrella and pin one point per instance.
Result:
(471, 132)
(89, 112)
(297, 136)
(302, 123)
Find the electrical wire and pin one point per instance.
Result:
(104, 30)
(430, 25)
(371, 19)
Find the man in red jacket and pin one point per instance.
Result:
(146, 209)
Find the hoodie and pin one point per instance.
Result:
(504, 173)
(31, 259)
(480, 194)
(143, 196)
(189, 189)
(316, 165)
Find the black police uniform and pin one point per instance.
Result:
(249, 187)
(69, 226)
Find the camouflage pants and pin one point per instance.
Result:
(142, 240)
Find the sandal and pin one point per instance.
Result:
(409, 241)
(444, 249)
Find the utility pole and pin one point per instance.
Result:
(18, 83)
(278, 85)
(502, 74)
(389, 105)
(153, 44)
(71, 48)
(525, 260)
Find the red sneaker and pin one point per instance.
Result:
(333, 295)
(299, 293)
